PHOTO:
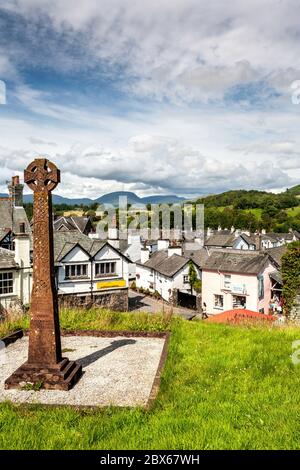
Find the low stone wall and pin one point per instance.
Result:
(174, 297)
(114, 300)
(295, 312)
(199, 303)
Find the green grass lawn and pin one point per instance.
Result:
(293, 211)
(223, 387)
(257, 212)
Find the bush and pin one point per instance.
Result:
(291, 275)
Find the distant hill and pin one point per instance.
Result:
(111, 198)
(132, 198)
(295, 190)
(243, 199)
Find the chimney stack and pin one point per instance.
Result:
(145, 255)
(174, 250)
(22, 249)
(15, 190)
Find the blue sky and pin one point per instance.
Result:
(157, 97)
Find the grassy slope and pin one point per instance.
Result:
(223, 387)
(295, 190)
(293, 211)
(257, 212)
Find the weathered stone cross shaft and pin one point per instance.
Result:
(45, 364)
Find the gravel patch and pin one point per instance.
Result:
(118, 371)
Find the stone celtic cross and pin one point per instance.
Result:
(45, 363)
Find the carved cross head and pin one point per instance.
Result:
(42, 175)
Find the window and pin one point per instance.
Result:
(261, 287)
(219, 301)
(227, 281)
(22, 227)
(186, 279)
(76, 271)
(105, 269)
(6, 283)
(239, 301)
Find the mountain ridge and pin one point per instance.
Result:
(110, 198)
(132, 198)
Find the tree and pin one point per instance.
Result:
(195, 283)
(290, 275)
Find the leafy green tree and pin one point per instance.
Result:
(291, 275)
(194, 281)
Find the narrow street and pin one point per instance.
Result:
(142, 303)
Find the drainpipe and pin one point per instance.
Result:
(92, 280)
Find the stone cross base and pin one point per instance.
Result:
(61, 376)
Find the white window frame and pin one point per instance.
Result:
(220, 296)
(9, 280)
(227, 281)
(106, 267)
(80, 271)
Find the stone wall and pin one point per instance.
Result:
(114, 300)
(295, 312)
(199, 303)
(174, 297)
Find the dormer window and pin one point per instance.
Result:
(76, 271)
(105, 269)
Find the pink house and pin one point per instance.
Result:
(232, 280)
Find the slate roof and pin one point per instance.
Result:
(11, 217)
(4, 232)
(276, 276)
(166, 265)
(251, 240)
(65, 241)
(220, 239)
(245, 262)
(72, 223)
(7, 259)
(277, 253)
(199, 257)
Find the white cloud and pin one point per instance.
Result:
(188, 51)
(185, 50)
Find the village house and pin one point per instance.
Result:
(275, 255)
(164, 272)
(90, 270)
(244, 240)
(237, 280)
(236, 241)
(15, 274)
(274, 240)
(13, 218)
(82, 224)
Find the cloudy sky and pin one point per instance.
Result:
(179, 97)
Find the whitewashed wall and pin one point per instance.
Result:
(163, 284)
(80, 286)
(213, 283)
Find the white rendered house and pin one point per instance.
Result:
(237, 280)
(91, 270)
(164, 272)
(16, 274)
